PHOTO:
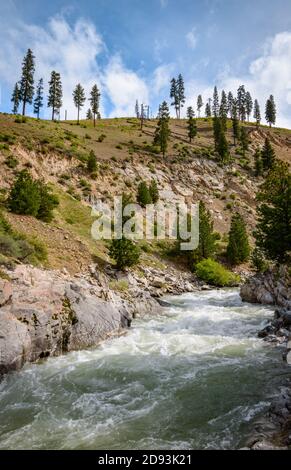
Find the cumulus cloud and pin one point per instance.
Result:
(123, 87)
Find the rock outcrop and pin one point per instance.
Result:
(48, 313)
(270, 288)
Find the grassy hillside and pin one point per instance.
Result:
(58, 152)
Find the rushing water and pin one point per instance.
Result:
(196, 377)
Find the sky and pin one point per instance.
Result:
(132, 49)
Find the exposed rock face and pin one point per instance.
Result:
(48, 313)
(270, 288)
(44, 313)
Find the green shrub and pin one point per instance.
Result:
(124, 252)
(259, 262)
(101, 137)
(143, 194)
(92, 163)
(11, 162)
(31, 197)
(215, 274)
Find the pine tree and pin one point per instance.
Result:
(208, 110)
(268, 155)
(235, 122)
(244, 140)
(55, 94)
(143, 194)
(16, 98)
(174, 96)
(241, 101)
(199, 104)
(181, 93)
(259, 168)
(249, 105)
(215, 105)
(273, 232)
(38, 101)
(162, 133)
(137, 109)
(257, 113)
(230, 103)
(222, 147)
(92, 163)
(27, 80)
(89, 115)
(95, 102)
(270, 113)
(191, 125)
(216, 131)
(223, 110)
(238, 249)
(79, 99)
(154, 192)
(207, 238)
(124, 252)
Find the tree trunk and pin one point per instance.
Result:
(23, 107)
(78, 115)
(94, 120)
(53, 113)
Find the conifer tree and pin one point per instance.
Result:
(79, 99)
(154, 192)
(238, 249)
(215, 105)
(235, 122)
(216, 131)
(241, 102)
(270, 113)
(222, 147)
(143, 194)
(92, 163)
(95, 102)
(174, 96)
(229, 103)
(89, 115)
(16, 99)
(249, 105)
(55, 94)
(162, 133)
(137, 109)
(38, 101)
(223, 110)
(181, 93)
(191, 125)
(208, 110)
(27, 80)
(199, 105)
(268, 155)
(207, 238)
(244, 140)
(257, 113)
(259, 168)
(273, 232)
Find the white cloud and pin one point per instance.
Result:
(269, 74)
(124, 87)
(162, 77)
(192, 38)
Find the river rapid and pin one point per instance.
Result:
(196, 377)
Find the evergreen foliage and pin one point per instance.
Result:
(238, 249)
(27, 80)
(79, 99)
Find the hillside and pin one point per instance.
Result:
(57, 152)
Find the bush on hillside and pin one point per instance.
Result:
(31, 197)
(124, 252)
(215, 274)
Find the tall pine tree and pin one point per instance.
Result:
(259, 168)
(223, 110)
(27, 80)
(268, 155)
(257, 113)
(95, 102)
(249, 105)
(174, 96)
(38, 101)
(55, 94)
(191, 124)
(270, 113)
(199, 105)
(181, 93)
(207, 238)
(235, 122)
(244, 140)
(215, 105)
(230, 99)
(241, 102)
(238, 249)
(79, 99)
(162, 133)
(16, 98)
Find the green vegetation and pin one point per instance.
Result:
(124, 252)
(238, 249)
(207, 237)
(31, 197)
(215, 274)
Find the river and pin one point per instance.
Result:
(195, 377)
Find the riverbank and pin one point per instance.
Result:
(48, 313)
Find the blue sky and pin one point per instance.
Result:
(132, 48)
